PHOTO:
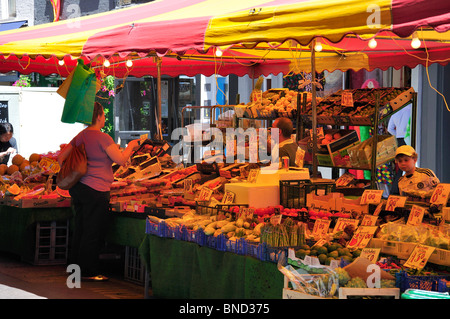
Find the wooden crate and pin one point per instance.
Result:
(344, 293)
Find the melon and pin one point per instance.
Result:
(62, 192)
(25, 164)
(13, 190)
(3, 168)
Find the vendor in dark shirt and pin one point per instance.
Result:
(287, 147)
(8, 144)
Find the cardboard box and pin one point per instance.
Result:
(322, 202)
(361, 154)
(351, 205)
(334, 153)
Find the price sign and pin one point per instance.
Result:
(378, 209)
(345, 179)
(370, 254)
(320, 229)
(416, 215)
(205, 194)
(228, 198)
(320, 242)
(342, 222)
(142, 138)
(276, 219)
(394, 201)
(371, 196)
(369, 220)
(252, 175)
(440, 194)
(347, 98)
(361, 237)
(188, 185)
(419, 257)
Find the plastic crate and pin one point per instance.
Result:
(173, 232)
(405, 281)
(194, 236)
(235, 246)
(52, 242)
(272, 254)
(216, 242)
(256, 250)
(157, 229)
(202, 208)
(134, 270)
(293, 193)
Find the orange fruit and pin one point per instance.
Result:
(24, 165)
(3, 168)
(17, 159)
(34, 157)
(11, 169)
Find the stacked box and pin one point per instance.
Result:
(52, 242)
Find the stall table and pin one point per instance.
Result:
(181, 269)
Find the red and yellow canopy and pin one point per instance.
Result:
(256, 37)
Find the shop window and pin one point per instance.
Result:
(208, 87)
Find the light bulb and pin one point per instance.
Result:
(372, 43)
(129, 63)
(318, 46)
(415, 43)
(218, 52)
(106, 64)
(61, 62)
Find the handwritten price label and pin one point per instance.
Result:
(252, 175)
(361, 237)
(371, 254)
(347, 98)
(369, 220)
(440, 194)
(416, 215)
(419, 257)
(345, 179)
(205, 194)
(321, 228)
(188, 185)
(228, 198)
(371, 196)
(395, 201)
(342, 222)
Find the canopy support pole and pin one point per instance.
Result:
(314, 108)
(158, 81)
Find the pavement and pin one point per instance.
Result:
(50, 281)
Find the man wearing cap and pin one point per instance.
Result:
(416, 181)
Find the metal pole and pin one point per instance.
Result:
(158, 124)
(314, 107)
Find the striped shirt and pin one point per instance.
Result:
(421, 183)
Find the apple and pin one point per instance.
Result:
(337, 136)
(328, 136)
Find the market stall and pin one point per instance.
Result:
(178, 199)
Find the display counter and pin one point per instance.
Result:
(181, 269)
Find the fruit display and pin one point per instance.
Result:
(331, 111)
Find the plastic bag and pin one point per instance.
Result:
(80, 96)
(316, 280)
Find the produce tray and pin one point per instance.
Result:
(345, 293)
(405, 281)
(40, 202)
(157, 229)
(235, 246)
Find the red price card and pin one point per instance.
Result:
(416, 215)
(361, 237)
(320, 229)
(440, 194)
(419, 257)
(342, 222)
(395, 201)
(371, 196)
(369, 220)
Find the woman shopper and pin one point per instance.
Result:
(90, 196)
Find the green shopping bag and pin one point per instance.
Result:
(80, 97)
